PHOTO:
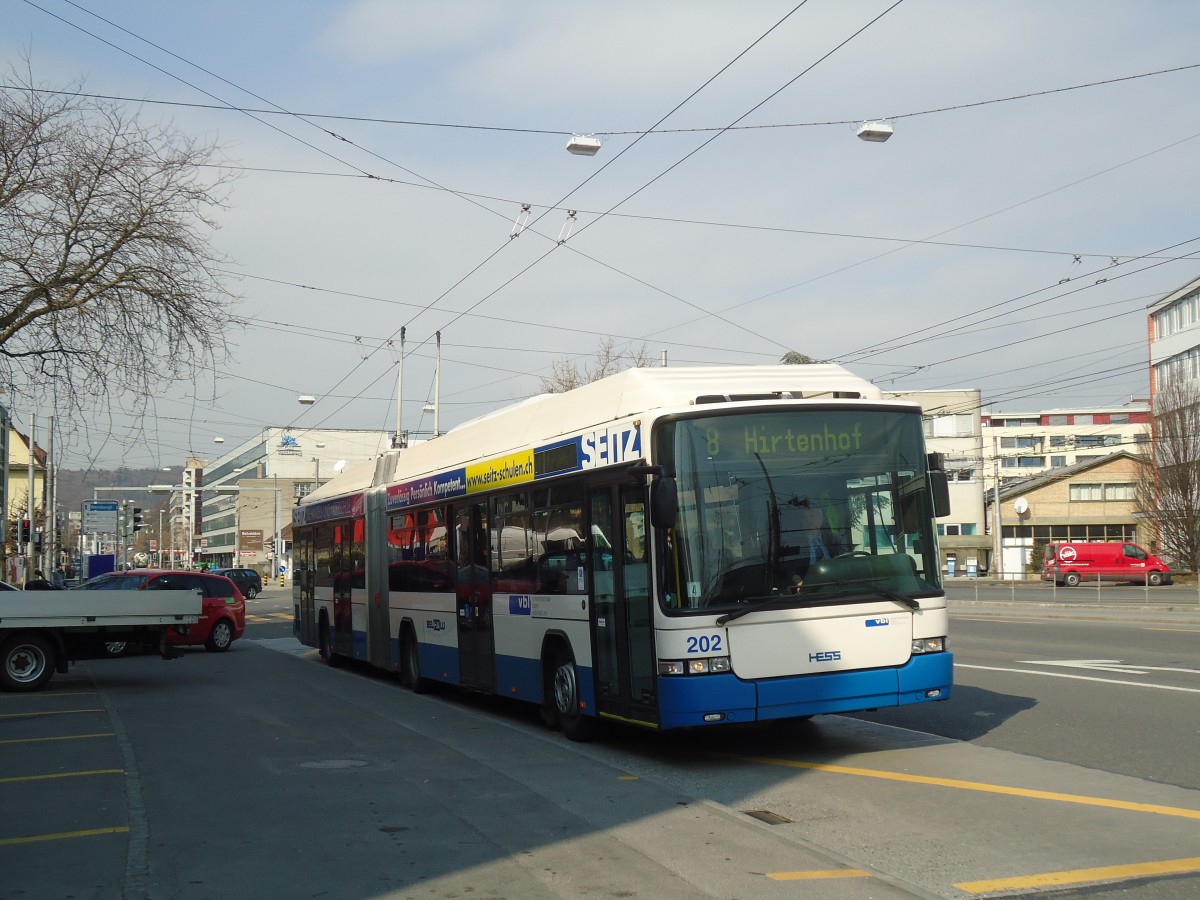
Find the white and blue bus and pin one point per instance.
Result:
(664, 548)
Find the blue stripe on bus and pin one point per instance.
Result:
(685, 700)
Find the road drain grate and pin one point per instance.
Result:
(765, 815)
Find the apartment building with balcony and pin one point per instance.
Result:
(1020, 445)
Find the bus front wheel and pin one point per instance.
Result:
(563, 699)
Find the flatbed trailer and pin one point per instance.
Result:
(43, 632)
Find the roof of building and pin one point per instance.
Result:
(1033, 482)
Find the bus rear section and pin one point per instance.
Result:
(1069, 564)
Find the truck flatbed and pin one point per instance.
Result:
(42, 632)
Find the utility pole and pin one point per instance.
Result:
(997, 542)
(29, 496)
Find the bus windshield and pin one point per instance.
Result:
(796, 508)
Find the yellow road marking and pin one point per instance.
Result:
(830, 873)
(17, 778)
(982, 787)
(48, 712)
(1084, 876)
(64, 737)
(62, 835)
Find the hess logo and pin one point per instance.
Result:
(825, 656)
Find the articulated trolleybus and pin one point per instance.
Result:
(664, 547)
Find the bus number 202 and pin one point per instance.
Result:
(704, 643)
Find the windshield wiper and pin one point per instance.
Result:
(813, 598)
(765, 603)
(871, 583)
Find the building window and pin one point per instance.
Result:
(1056, 420)
(1086, 492)
(1119, 419)
(1058, 462)
(949, 426)
(1031, 462)
(1119, 491)
(1084, 419)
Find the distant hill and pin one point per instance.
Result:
(75, 486)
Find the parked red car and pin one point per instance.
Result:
(222, 620)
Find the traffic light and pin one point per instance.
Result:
(138, 524)
(24, 531)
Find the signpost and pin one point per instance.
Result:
(100, 516)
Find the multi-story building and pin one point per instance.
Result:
(952, 428)
(247, 495)
(1174, 333)
(1019, 445)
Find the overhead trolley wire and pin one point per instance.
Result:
(560, 132)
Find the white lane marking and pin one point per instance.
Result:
(1143, 684)
(1104, 665)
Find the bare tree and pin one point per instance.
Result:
(108, 285)
(566, 374)
(1168, 493)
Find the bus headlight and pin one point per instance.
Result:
(704, 666)
(928, 645)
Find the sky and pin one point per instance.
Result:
(1009, 237)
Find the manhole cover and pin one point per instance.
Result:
(334, 764)
(765, 815)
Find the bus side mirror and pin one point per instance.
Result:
(664, 495)
(664, 502)
(940, 487)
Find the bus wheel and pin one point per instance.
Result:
(325, 646)
(410, 664)
(1071, 579)
(564, 697)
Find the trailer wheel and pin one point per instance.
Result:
(410, 664)
(325, 646)
(28, 662)
(1071, 579)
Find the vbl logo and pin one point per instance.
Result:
(825, 656)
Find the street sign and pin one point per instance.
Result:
(100, 516)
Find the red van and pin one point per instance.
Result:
(1071, 563)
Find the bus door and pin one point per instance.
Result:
(476, 649)
(305, 581)
(622, 618)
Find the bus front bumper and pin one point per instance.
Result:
(688, 701)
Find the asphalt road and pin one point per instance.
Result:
(264, 773)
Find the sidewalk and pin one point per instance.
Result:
(1179, 604)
